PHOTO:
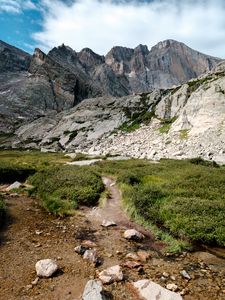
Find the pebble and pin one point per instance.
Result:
(172, 287)
(185, 275)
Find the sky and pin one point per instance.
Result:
(102, 24)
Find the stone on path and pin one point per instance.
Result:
(92, 256)
(80, 249)
(46, 267)
(132, 264)
(133, 234)
(93, 291)
(13, 186)
(185, 275)
(172, 287)
(149, 290)
(110, 275)
(108, 223)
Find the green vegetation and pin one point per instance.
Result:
(180, 201)
(136, 120)
(166, 124)
(31, 159)
(184, 134)
(183, 198)
(63, 188)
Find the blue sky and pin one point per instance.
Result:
(102, 24)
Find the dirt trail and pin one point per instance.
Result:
(31, 234)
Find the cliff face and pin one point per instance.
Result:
(182, 122)
(34, 88)
(13, 59)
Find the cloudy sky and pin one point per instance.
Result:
(102, 24)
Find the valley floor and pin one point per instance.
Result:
(31, 234)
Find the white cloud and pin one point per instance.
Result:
(16, 6)
(100, 24)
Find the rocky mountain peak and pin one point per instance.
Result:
(89, 58)
(143, 49)
(39, 56)
(13, 59)
(117, 54)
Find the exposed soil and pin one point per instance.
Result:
(31, 234)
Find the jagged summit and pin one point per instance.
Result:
(12, 58)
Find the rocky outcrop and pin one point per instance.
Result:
(13, 59)
(41, 103)
(182, 122)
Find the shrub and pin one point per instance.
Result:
(63, 188)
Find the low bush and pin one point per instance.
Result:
(63, 188)
(183, 198)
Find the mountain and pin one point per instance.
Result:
(39, 92)
(181, 122)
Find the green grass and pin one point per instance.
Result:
(185, 199)
(19, 165)
(31, 159)
(166, 124)
(180, 201)
(63, 188)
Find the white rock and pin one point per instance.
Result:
(149, 290)
(185, 274)
(91, 255)
(13, 186)
(132, 234)
(112, 274)
(46, 267)
(93, 291)
(172, 287)
(108, 223)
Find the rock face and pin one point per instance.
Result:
(36, 86)
(46, 267)
(13, 59)
(41, 103)
(149, 290)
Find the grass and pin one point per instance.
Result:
(180, 201)
(184, 134)
(166, 124)
(185, 199)
(63, 188)
(31, 159)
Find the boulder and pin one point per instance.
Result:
(110, 275)
(13, 186)
(108, 223)
(132, 234)
(149, 290)
(93, 291)
(46, 267)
